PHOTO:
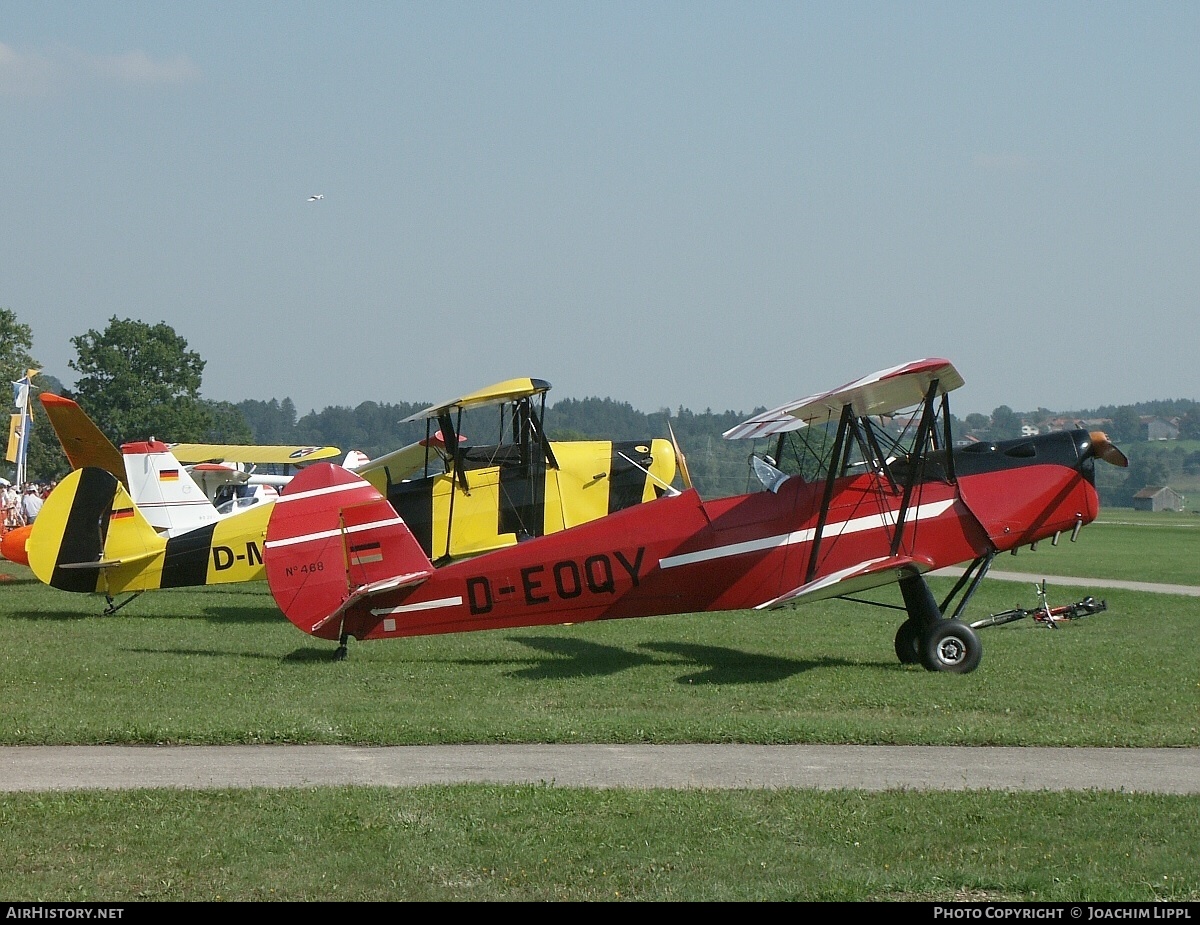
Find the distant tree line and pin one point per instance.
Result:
(137, 381)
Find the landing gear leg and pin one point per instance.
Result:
(923, 614)
(929, 638)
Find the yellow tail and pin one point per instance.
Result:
(90, 537)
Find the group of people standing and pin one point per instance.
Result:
(21, 506)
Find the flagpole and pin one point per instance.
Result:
(21, 400)
(22, 443)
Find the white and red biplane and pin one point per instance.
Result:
(856, 496)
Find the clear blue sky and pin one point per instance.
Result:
(707, 205)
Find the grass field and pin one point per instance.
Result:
(1125, 544)
(222, 666)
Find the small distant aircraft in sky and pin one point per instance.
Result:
(316, 196)
(864, 488)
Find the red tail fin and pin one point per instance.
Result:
(331, 537)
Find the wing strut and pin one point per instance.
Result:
(458, 460)
(834, 466)
(543, 439)
(880, 458)
(450, 434)
(983, 563)
(925, 432)
(948, 438)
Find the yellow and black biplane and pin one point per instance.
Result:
(459, 499)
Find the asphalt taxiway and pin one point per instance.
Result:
(825, 767)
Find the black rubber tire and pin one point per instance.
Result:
(908, 642)
(953, 646)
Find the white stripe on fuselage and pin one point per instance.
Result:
(854, 525)
(413, 608)
(319, 492)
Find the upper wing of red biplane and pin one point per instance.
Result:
(879, 393)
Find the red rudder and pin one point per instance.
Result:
(330, 534)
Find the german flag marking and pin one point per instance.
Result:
(365, 553)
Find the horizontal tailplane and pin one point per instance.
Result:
(333, 538)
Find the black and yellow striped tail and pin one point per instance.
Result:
(90, 537)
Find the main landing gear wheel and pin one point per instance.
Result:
(908, 642)
(951, 646)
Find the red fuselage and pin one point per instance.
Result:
(681, 554)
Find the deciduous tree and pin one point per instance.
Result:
(1126, 424)
(138, 381)
(1006, 423)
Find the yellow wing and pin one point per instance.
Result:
(188, 453)
(509, 390)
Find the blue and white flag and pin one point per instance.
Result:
(21, 389)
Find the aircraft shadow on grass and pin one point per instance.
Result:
(10, 581)
(305, 656)
(730, 666)
(572, 658)
(239, 615)
(219, 616)
(218, 653)
(50, 616)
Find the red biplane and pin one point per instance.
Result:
(864, 488)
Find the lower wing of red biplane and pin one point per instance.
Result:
(873, 498)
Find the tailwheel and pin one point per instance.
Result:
(951, 645)
(341, 652)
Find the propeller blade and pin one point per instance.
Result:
(1107, 450)
(679, 457)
